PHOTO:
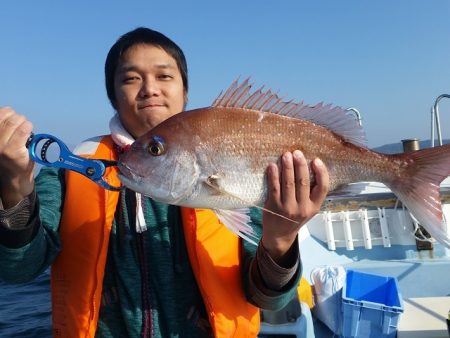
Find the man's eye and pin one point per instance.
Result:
(130, 79)
(165, 77)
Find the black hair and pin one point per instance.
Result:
(138, 36)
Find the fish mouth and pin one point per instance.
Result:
(128, 177)
(129, 183)
(125, 170)
(136, 182)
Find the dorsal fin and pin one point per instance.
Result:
(334, 118)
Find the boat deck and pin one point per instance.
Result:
(424, 317)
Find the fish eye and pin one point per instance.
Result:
(156, 146)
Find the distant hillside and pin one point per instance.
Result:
(394, 148)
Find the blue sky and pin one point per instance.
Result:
(389, 59)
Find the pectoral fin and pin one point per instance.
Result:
(238, 221)
(234, 219)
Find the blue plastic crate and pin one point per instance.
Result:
(371, 305)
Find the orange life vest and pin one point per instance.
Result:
(77, 273)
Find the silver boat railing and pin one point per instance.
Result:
(435, 122)
(357, 113)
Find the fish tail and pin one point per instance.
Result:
(418, 188)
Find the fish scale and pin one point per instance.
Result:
(268, 140)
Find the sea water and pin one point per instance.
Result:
(25, 309)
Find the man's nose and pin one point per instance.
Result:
(149, 88)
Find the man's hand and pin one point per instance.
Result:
(16, 168)
(290, 195)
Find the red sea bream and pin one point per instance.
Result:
(216, 157)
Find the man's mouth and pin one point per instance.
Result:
(151, 105)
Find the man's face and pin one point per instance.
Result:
(148, 88)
